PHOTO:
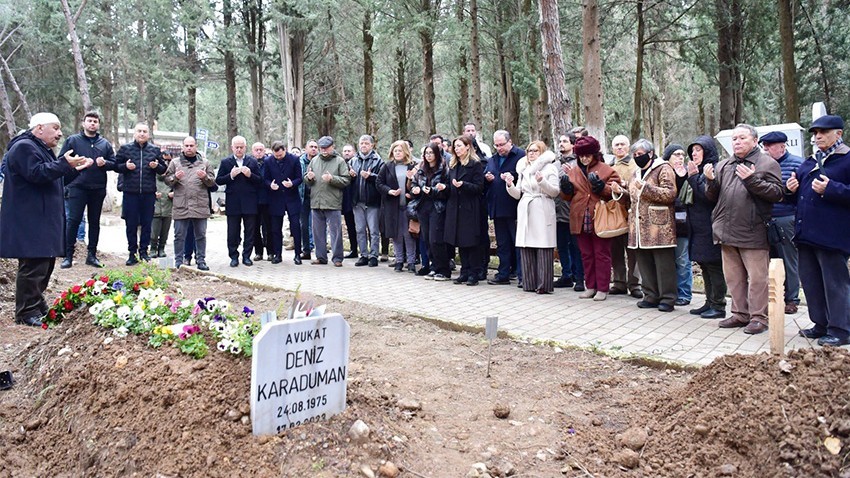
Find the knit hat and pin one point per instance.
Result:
(669, 150)
(43, 118)
(586, 146)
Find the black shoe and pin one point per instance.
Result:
(579, 287)
(452, 264)
(646, 305)
(831, 341)
(482, 276)
(143, 255)
(713, 314)
(160, 253)
(461, 280)
(698, 311)
(131, 261)
(91, 260)
(202, 266)
(258, 257)
(563, 282)
(305, 256)
(399, 267)
(233, 262)
(373, 262)
(67, 262)
(297, 260)
(32, 321)
(617, 292)
(682, 302)
(472, 282)
(637, 294)
(498, 281)
(423, 271)
(276, 259)
(247, 261)
(411, 268)
(351, 255)
(812, 333)
(188, 261)
(665, 308)
(362, 262)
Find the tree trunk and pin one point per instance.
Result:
(636, 118)
(701, 117)
(553, 68)
(14, 84)
(192, 89)
(462, 112)
(253, 26)
(789, 68)
(368, 75)
(593, 106)
(426, 37)
(292, 45)
(728, 20)
(8, 116)
(475, 65)
(400, 95)
(230, 76)
(79, 65)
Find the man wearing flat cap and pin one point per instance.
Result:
(821, 189)
(327, 175)
(32, 217)
(782, 218)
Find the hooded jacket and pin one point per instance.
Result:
(701, 246)
(744, 205)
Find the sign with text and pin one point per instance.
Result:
(298, 372)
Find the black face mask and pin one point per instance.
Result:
(642, 160)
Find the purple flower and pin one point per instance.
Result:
(207, 299)
(247, 310)
(218, 318)
(571, 431)
(200, 305)
(118, 285)
(183, 336)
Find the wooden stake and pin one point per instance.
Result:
(776, 306)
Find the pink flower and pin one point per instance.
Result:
(196, 310)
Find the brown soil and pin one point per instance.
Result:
(82, 407)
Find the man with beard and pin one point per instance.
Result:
(572, 272)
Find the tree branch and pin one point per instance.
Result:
(79, 11)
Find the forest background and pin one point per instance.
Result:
(667, 70)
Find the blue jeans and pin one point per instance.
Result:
(307, 227)
(684, 270)
(570, 258)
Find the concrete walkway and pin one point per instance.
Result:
(615, 325)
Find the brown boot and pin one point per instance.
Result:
(755, 327)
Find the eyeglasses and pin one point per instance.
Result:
(533, 150)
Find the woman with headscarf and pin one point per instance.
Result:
(584, 185)
(674, 154)
(702, 248)
(536, 188)
(651, 195)
(463, 209)
(395, 192)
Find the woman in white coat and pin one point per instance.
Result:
(536, 189)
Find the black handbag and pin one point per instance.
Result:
(775, 236)
(412, 209)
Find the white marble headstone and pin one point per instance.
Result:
(298, 372)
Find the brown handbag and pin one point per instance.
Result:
(609, 219)
(413, 228)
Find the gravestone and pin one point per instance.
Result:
(298, 372)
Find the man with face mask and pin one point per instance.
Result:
(33, 201)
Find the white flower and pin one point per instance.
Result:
(235, 349)
(223, 345)
(123, 312)
(120, 331)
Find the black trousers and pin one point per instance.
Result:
(658, 274)
(78, 200)
(471, 260)
(715, 284)
(246, 221)
(262, 236)
(351, 229)
(294, 213)
(30, 284)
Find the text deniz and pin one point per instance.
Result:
(300, 358)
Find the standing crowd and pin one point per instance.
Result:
(632, 225)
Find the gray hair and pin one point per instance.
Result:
(367, 136)
(504, 134)
(643, 144)
(750, 128)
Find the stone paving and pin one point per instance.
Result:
(615, 325)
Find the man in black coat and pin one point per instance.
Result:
(88, 190)
(501, 207)
(262, 237)
(32, 216)
(138, 163)
(282, 177)
(240, 174)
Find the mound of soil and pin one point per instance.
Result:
(89, 404)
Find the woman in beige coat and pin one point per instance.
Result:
(650, 196)
(536, 189)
